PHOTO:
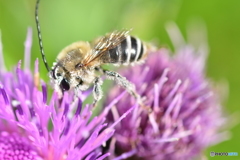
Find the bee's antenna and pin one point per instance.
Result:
(40, 37)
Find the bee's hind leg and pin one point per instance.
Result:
(122, 81)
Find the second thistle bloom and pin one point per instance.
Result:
(186, 113)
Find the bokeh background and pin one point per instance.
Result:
(64, 22)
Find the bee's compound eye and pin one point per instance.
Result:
(55, 74)
(64, 85)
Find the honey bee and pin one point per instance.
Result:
(79, 65)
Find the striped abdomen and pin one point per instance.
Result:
(130, 50)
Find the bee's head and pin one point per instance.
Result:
(60, 78)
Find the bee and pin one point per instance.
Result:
(79, 65)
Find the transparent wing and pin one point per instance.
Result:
(105, 43)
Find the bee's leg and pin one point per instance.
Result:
(122, 81)
(76, 95)
(97, 91)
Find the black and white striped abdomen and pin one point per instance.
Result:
(130, 50)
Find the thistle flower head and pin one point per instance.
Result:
(35, 129)
(186, 113)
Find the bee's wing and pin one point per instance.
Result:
(105, 43)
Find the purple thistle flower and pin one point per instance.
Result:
(186, 113)
(35, 129)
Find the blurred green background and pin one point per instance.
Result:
(64, 22)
